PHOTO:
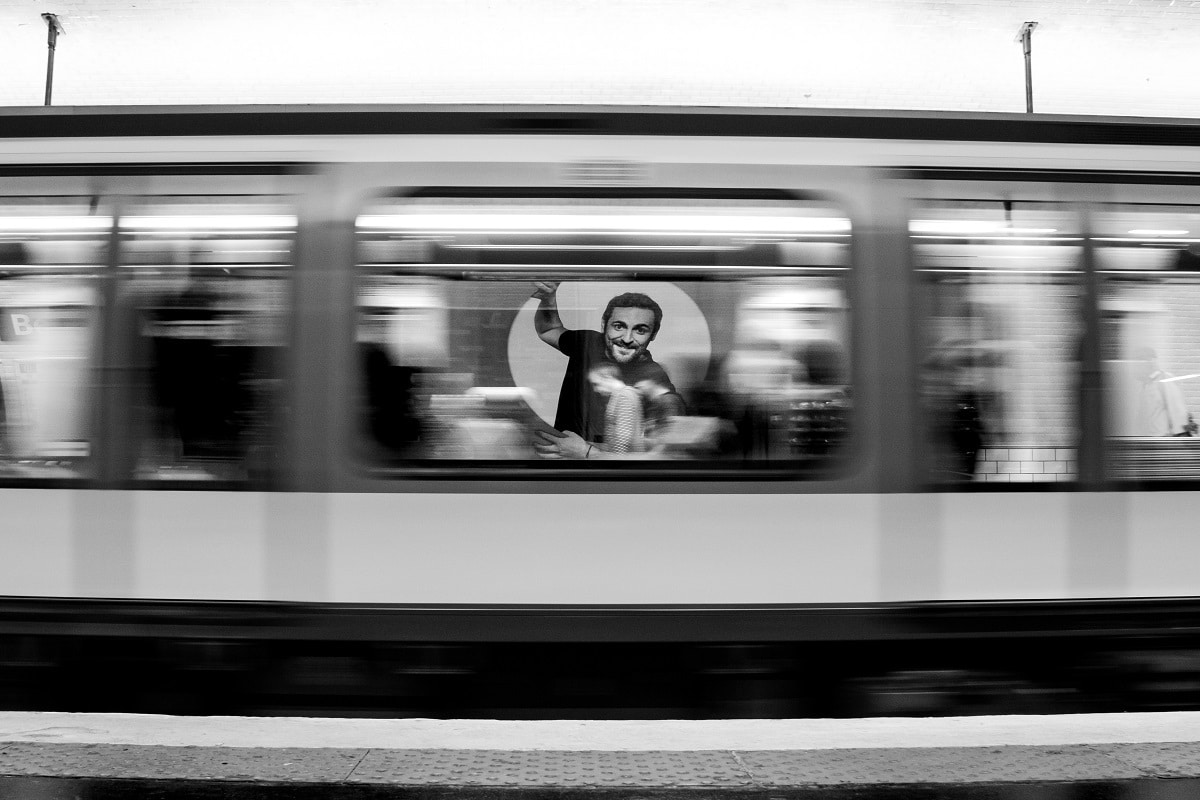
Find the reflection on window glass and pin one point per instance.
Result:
(1149, 257)
(51, 253)
(559, 331)
(1001, 286)
(207, 277)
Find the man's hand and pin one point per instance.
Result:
(546, 322)
(566, 444)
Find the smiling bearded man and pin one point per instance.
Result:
(630, 323)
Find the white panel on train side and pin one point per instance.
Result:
(1164, 544)
(200, 545)
(565, 150)
(1005, 545)
(602, 549)
(35, 542)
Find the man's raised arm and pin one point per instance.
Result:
(546, 321)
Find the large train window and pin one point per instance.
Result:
(52, 251)
(1001, 285)
(1149, 259)
(585, 331)
(207, 277)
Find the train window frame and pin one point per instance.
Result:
(848, 463)
(1087, 191)
(157, 192)
(36, 188)
(109, 186)
(947, 189)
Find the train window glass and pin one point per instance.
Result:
(52, 251)
(1000, 282)
(1149, 260)
(556, 331)
(207, 277)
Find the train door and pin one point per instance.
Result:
(204, 297)
(1001, 277)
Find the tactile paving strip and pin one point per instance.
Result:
(544, 768)
(735, 772)
(182, 763)
(1159, 760)
(935, 765)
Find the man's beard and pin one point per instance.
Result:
(623, 356)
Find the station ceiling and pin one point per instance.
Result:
(1120, 57)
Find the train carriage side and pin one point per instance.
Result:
(270, 404)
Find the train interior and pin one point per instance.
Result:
(754, 331)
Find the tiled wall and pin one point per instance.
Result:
(1048, 377)
(1026, 465)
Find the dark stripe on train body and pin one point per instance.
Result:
(1053, 176)
(122, 169)
(914, 171)
(562, 624)
(598, 662)
(152, 121)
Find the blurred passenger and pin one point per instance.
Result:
(784, 377)
(759, 375)
(198, 376)
(392, 420)
(713, 400)
(824, 363)
(630, 322)
(1161, 409)
(954, 407)
(821, 410)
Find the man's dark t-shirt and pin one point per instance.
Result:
(580, 407)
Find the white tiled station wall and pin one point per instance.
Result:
(1122, 57)
(1026, 465)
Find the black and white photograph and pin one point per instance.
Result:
(600, 399)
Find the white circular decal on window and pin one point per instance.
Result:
(683, 345)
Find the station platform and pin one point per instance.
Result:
(48, 756)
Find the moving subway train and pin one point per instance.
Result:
(598, 412)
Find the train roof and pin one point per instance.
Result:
(352, 120)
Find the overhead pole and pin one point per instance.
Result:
(1026, 37)
(53, 29)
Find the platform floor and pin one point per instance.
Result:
(91, 756)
